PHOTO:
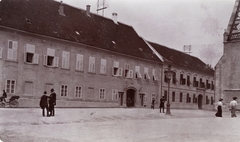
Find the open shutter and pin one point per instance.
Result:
(45, 60)
(55, 61)
(15, 49)
(35, 58)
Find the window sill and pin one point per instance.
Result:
(65, 69)
(103, 74)
(30, 63)
(91, 72)
(50, 66)
(11, 61)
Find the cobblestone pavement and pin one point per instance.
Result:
(117, 125)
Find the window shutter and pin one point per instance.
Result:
(120, 72)
(55, 62)
(113, 71)
(50, 52)
(10, 54)
(45, 60)
(35, 58)
(15, 47)
(116, 64)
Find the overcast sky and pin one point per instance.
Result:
(173, 23)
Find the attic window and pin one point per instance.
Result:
(28, 21)
(140, 49)
(113, 42)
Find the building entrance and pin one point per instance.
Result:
(130, 98)
(200, 97)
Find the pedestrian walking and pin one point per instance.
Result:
(219, 108)
(162, 101)
(233, 105)
(153, 102)
(52, 103)
(44, 103)
(4, 96)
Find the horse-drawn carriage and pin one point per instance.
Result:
(12, 102)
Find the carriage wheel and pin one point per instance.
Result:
(14, 103)
(2, 105)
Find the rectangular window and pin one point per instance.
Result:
(10, 86)
(12, 50)
(103, 66)
(173, 96)
(78, 91)
(30, 55)
(145, 98)
(91, 64)
(154, 73)
(65, 59)
(50, 59)
(207, 100)
(1, 52)
(187, 98)
(182, 80)
(194, 98)
(165, 95)
(174, 78)
(212, 86)
(137, 72)
(64, 90)
(116, 71)
(114, 95)
(146, 75)
(127, 72)
(188, 80)
(181, 96)
(79, 62)
(102, 94)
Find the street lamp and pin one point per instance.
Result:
(168, 74)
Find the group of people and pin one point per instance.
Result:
(48, 103)
(161, 106)
(233, 104)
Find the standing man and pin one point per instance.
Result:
(44, 104)
(162, 100)
(153, 101)
(4, 96)
(233, 105)
(52, 102)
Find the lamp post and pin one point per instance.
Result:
(168, 75)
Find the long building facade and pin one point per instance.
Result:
(89, 60)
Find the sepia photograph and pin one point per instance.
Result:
(119, 70)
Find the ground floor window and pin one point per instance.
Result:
(114, 95)
(64, 90)
(173, 96)
(102, 92)
(10, 86)
(180, 98)
(78, 92)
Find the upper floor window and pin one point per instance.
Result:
(137, 72)
(195, 82)
(12, 50)
(182, 79)
(154, 73)
(173, 96)
(79, 62)
(91, 64)
(102, 92)
(146, 75)
(212, 86)
(116, 71)
(188, 80)
(103, 66)
(50, 59)
(65, 59)
(10, 86)
(30, 55)
(174, 78)
(181, 97)
(127, 72)
(208, 85)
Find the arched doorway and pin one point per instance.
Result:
(200, 99)
(130, 97)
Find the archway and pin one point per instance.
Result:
(130, 97)
(200, 99)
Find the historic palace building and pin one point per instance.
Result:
(91, 61)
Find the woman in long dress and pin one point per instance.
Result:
(219, 108)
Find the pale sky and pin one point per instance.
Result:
(173, 23)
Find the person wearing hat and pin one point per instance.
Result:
(44, 103)
(52, 103)
(219, 108)
(233, 105)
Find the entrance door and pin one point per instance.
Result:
(130, 97)
(200, 97)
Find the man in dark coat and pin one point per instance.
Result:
(4, 96)
(44, 103)
(162, 100)
(52, 102)
(153, 102)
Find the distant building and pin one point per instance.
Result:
(90, 61)
(227, 70)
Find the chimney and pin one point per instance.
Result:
(61, 9)
(88, 9)
(114, 17)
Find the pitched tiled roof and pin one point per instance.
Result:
(181, 59)
(42, 17)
